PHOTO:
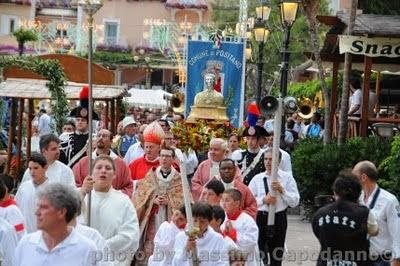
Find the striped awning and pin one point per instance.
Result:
(183, 4)
(37, 89)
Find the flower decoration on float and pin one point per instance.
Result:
(197, 136)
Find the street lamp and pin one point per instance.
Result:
(261, 35)
(288, 16)
(90, 7)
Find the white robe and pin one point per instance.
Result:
(247, 237)
(113, 215)
(13, 215)
(101, 244)
(57, 172)
(8, 242)
(211, 250)
(26, 200)
(164, 244)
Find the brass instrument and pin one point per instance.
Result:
(177, 102)
(306, 108)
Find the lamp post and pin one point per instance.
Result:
(261, 35)
(144, 61)
(288, 16)
(90, 7)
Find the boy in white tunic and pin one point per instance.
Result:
(165, 238)
(209, 245)
(240, 226)
(112, 212)
(56, 171)
(218, 219)
(8, 242)
(26, 194)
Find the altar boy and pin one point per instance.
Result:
(240, 226)
(165, 238)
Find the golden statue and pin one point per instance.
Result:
(208, 104)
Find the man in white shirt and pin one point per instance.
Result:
(287, 196)
(26, 194)
(44, 123)
(286, 162)
(8, 242)
(386, 209)
(55, 243)
(356, 97)
(56, 170)
(210, 246)
(136, 150)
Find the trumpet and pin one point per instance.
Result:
(177, 102)
(306, 108)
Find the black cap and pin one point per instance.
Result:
(82, 112)
(256, 130)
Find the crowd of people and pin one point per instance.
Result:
(128, 208)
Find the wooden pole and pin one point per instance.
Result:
(118, 111)
(378, 91)
(113, 131)
(29, 130)
(107, 114)
(11, 133)
(365, 98)
(19, 134)
(334, 95)
(275, 159)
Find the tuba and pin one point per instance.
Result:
(306, 108)
(177, 102)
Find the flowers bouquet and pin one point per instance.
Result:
(197, 136)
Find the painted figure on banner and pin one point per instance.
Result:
(216, 67)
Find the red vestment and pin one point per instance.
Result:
(141, 166)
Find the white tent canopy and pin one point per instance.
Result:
(148, 98)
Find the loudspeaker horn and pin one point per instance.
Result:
(269, 104)
(290, 104)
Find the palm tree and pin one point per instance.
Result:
(344, 105)
(311, 8)
(23, 36)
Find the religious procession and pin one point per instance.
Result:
(194, 132)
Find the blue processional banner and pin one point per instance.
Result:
(228, 64)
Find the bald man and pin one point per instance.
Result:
(385, 207)
(122, 181)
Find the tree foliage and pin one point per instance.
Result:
(23, 36)
(225, 15)
(52, 71)
(387, 7)
(316, 166)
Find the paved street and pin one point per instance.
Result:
(302, 246)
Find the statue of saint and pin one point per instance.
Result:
(209, 97)
(208, 104)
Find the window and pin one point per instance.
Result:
(8, 24)
(111, 32)
(12, 25)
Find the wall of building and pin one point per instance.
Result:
(130, 15)
(7, 11)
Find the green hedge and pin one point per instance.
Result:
(316, 166)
